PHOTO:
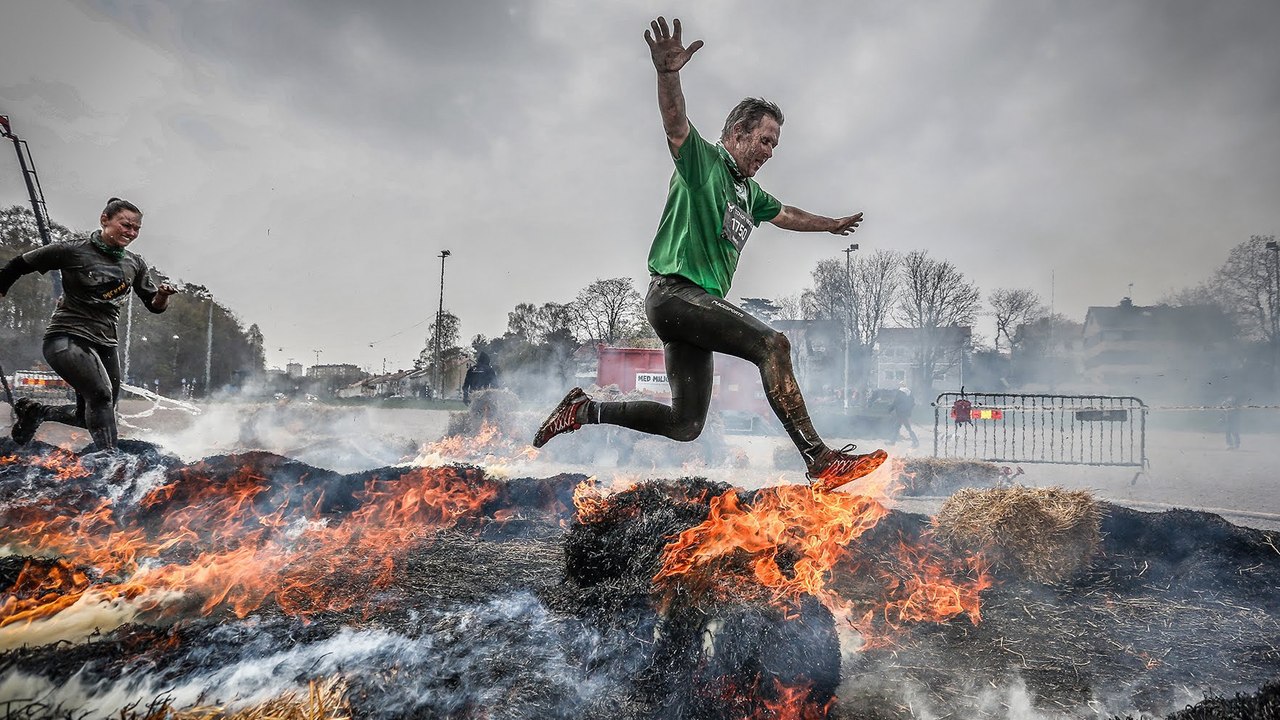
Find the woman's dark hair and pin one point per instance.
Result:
(115, 205)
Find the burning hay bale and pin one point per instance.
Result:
(1046, 534)
(491, 428)
(720, 648)
(496, 407)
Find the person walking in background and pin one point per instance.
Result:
(903, 404)
(713, 204)
(1231, 422)
(480, 376)
(98, 273)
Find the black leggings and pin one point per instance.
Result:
(94, 371)
(693, 324)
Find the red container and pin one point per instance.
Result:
(736, 382)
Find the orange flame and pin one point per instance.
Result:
(588, 502)
(814, 525)
(240, 543)
(489, 444)
(793, 703)
(930, 593)
(64, 464)
(791, 538)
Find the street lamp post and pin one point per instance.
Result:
(176, 338)
(439, 318)
(1274, 247)
(208, 349)
(128, 337)
(848, 331)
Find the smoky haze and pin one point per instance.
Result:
(306, 161)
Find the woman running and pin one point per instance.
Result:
(80, 342)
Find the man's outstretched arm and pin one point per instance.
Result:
(669, 55)
(793, 218)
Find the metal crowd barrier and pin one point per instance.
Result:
(1056, 429)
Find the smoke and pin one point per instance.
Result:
(343, 439)
(510, 655)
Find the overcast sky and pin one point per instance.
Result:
(308, 160)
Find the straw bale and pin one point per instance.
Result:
(325, 699)
(1043, 534)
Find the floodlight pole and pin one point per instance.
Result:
(1274, 247)
(848, 331)
(208, 349)
(439, 318)
(34, 191)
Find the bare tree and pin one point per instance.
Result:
(935, 296)
(830, 295)
(875, 282)
(535, 323)
(1248, 288)
(796, 307)
(1013, 307)
(450, 328)
(1042, 349)
(607, 311)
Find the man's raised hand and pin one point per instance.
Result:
(668, 51)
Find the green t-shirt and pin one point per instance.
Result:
(690, 242)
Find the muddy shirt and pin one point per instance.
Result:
(94, 286)
(708, 216)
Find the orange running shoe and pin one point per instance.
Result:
(563, 419)
(834, 468)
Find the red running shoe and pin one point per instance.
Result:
(834, 468)
(564, 419)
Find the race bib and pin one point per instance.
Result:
(736, 226)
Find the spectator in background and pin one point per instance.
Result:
(480, 376)
(1231, 422)
(903, 403)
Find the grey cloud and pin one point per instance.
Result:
(437, 74)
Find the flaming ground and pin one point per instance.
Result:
(150, 587)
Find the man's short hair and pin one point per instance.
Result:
(748, 113)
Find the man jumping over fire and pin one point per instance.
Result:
(712, 206)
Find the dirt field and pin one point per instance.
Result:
(1188, 469)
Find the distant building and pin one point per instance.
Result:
(293, 370)
(1160, 350)
(817, 354)
(396, 384)
(1048, 356)
(899, 353)
(328, 378)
